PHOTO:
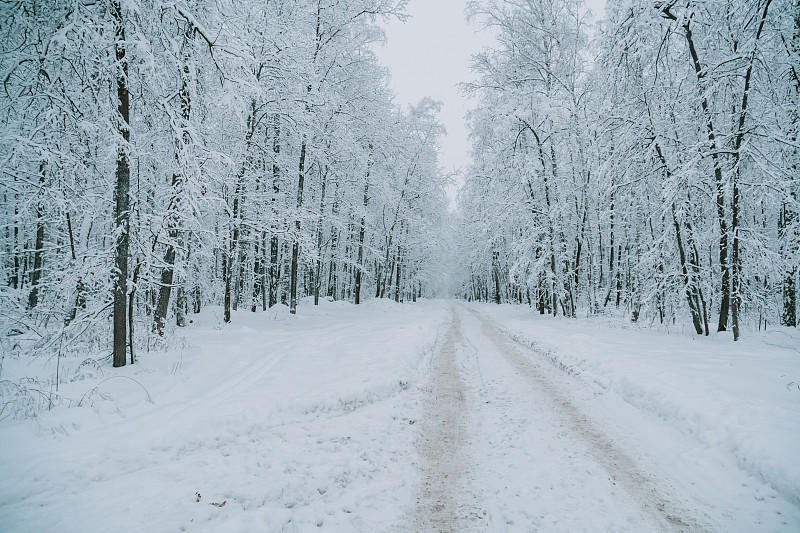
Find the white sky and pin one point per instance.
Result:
(429, 55)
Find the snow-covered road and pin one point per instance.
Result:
(435, 416)
(532, 461)
(513, 442)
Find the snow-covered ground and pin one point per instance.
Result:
(347, 418)
(295, 422)
(719, 419)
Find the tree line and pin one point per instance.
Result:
(647, 163)
(158, 156)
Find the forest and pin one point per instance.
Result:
(158, 157)
(646, 164)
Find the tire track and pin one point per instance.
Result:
(643, 488)
(445, 461)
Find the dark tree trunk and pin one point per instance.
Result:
(131, 301)
(735, 266)
(197, 300)
(361, 231)
(612, 253)
(577, 264)
(259, 273)
(296, 239)
(689, 266)
(377, 280)
(264, 273)
(79, 300)
(789, 213)
(618, 277)
(496, 275)
(256, 277)
(713, 152)
(226, 277)
(700, 74)
(121, 211)
(181, 304)
(389, 269)
(286, 262)
(397, 277)
(688, 281)
(16, 275)
(789, 314)
(182, 141)
(167, 273)
(233, 244)
(318, 265)
(387, 281)
(332, 278)
(542, 305)
(274, 279)
(273, 271)
(241, 261)
(33, 296)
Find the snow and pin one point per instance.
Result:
(294, 422)
(315, 422)
(736, 404)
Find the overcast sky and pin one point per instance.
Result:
(429, 55)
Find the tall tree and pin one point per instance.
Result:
(121, 199)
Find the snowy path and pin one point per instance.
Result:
(444, 463)
(512, 442)
(411, 418)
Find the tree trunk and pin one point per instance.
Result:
(167, 273)
(131, 301)
(286, 262)
(16, 277)
(121, 211)
(496, 275)
(389, 271)
(788, 216)
(688, 282)
(273, 271)
(296, 239)
(397, 277)
(33, 296)
(700, 74)
(318, 266)
(256, 276)
(735, 263)
(264, 273)
(377, 279)
(226, 278)
(276, 177)
(735, 260)
(361, 232)
(233, 244)
(789, 288)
